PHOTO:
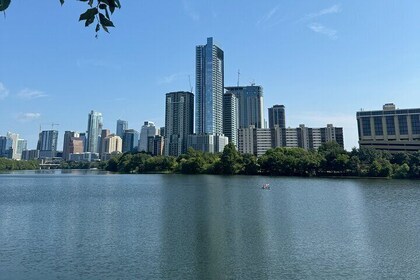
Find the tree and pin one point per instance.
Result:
(98, 12)
(231, 160)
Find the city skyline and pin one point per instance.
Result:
(312, 57)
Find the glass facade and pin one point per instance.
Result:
(390, 125)
(402, 123)
(415, 124)
(366, 127)
(379, 131)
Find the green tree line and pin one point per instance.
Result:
(329, 160)
(11, 164)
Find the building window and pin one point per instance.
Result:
(366, 127)
(415, 124)
(402, 123)
(378, 126)
(390, 125)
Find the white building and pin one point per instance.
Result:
(148, 129)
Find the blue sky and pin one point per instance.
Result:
(323, 60)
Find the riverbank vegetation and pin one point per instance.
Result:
(11, 164)
(329, 160)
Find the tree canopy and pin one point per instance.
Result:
(98, 12)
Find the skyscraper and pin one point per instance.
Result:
(95, 123)
(121, 126)
(230, 117)
(130, 140)
(277, 116)
(179, 121)
(148, 129)
(209, 88)
(47, 143)
(251, 104)
(104, 134)
(13, 137)
(67, 143)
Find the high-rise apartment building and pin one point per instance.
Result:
(5, 147)
(104, 134)
(390, 129)
(47, 143)
(148, 129)
(112, 145)
(13, 137)
(95, 123)
(250, 105)
(22, 145)
(179, 121)
(130, 140)
(277, 116)
(209, 88)
(121, 126)
(231, 117)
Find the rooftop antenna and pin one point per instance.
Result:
(239, 73)
(189, 81)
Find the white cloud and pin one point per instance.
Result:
(335, 9)
(190, 11)
(321, 29)
(265, 18)
(26, 117)
(171, 78)
(4, 92)
(28, 94)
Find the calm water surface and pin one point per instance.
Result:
(82, 225)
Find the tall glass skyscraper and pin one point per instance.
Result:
(250, 105)
(95, 123)
(209, 88)
(121, 126)
(47, 143)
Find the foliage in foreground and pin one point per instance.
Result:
(329, 160)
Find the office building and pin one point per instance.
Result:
(179, 121)
(68, 135)
(121, 126)
(21, 146)
(231, 117)
(250, 105)
(155, 145)
(104, 134)
(47, 144)
(30, 154)
(390, 129)
(130, 140)
(112, 146)
(277, 116)
(5, 147)
(148, 129)
(209, 88)
(95, 123)
(13, 137)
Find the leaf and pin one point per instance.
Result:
(88, 14)
(90, 21)
(98, 27)
(104, 21)
(61, 2)
(102, 6)
(4, 4)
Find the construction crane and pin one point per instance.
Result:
(52, 125)
(189, 81)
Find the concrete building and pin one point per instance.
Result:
(30, 154)
(104, 134)
(47, 144)
(130, 140)
(14, 138)
(112, 146)
(121, 126)
(254, 140)
(277, 116)
(95, 123)
(87, 156)
(231, 117)
(179, 121)
(209, 79)
(257, 141)
(390, 129)
(250, 105)
(210, 143)
(148, 129)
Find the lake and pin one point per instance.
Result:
(95, 225)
